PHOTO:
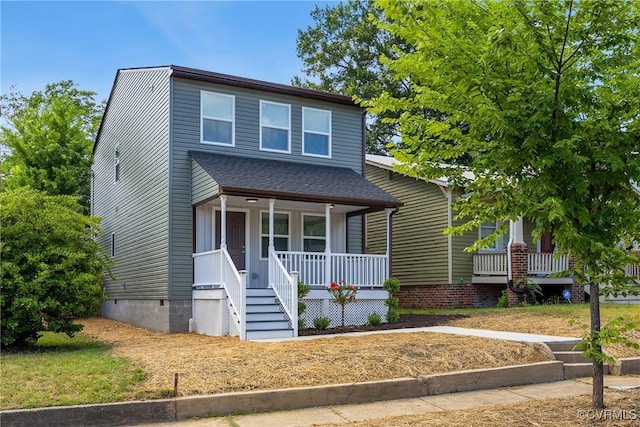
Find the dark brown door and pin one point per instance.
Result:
(236, 244)
(546, 243)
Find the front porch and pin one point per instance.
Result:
(542, 268)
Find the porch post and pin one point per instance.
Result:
(223, 221)
(271, 230)
(389, 212)
(327, 247)
(518, 234)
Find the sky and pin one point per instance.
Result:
(88, 41)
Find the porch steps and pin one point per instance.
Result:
(575, 364)
(265, 318)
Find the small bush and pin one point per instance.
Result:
(392, 316)
(392, 285)
(321, 323)
(374, 319)
(303, 291)
(503, 300)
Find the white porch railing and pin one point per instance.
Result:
(356, 269)
(547, 263)
(217, 268)
(285, 286)
(490, 264)
(633, 270)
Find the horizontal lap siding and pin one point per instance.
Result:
(419, 245)
(136, 207)
(185, 136)
(203, 186)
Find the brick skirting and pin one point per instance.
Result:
(449, 296)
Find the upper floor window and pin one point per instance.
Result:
(116, 163)
(275, 126)
(280, 233)
(218, 113)
(316, 128)
(313, 233)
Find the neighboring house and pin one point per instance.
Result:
(214, 190)
(433, 268)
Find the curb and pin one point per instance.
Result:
(138, 412)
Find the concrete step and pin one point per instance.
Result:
(562, 345)
(571, 357)
(265, 335)
(266, 316)
(267, 325)
(577, 370)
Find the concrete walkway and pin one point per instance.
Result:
(444, 402)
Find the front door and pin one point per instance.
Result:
(546, 242)
(236, 243)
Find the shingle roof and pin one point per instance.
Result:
(387, 162)
(245, 176)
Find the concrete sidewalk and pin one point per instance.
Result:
(444, 402)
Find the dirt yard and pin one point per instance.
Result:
(223, 364)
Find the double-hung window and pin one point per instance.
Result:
(501, 242)
(218, 114)
(280, 233)
(275, 127)
(313, 233)
(116, 163)
(316, 128)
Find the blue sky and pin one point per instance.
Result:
(87, 41)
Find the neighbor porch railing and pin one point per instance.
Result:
(490, 264)
(547, 263)
(355, 269)
(217, 268)
(285, 286)
(633, 270)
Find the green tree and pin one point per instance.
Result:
(341, 54)
(51, 266)
(50, 135)
(545, 98)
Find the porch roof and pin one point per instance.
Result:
(254, 177)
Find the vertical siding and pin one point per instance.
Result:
(136, 207)
(202, 185)
(419, 245)
(355, 243)
(185, 136)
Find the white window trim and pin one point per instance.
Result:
(288, 236)
(304, 237)
(113, 245)
(232, 121)
(304, 153)
(500, 240)
(116, 164)
(288, 129)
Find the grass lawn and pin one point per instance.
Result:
(65, 371)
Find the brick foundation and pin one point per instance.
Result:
(449, 296)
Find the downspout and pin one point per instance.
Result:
(390, 214)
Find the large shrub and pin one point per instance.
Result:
(51, 266)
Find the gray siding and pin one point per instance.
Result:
(419, 245)
(185, 135)
(136, 207)
(202, 185)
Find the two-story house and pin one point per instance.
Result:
(218, 193)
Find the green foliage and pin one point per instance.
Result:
(611, 333)
(50, 135)
(544, 97)
(51, 266)
(342, 294)
(392, 285)
(341, 53)
(374, 319)
(503, 300)
(321, 323)
(303, 291)
(67, 371)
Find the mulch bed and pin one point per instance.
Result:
(405, 321)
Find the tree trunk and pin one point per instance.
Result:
(597, 394)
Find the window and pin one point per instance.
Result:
(313, 233)
(113, 245)
(316, 127)
(280, 233)
(217, 118)
(486, 228)
(275, 121)
(116, 163)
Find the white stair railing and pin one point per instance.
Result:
(235, 283)
(205, 268)
(285, 286)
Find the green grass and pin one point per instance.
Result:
(65, 371)
(573, 311)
